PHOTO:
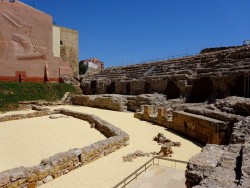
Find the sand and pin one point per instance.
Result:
(109, 170)
(25, 142)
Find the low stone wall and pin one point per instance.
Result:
(198, 127)
(26, 116)
(110, 102)
(63, 163)
(201, 128)
(223, 166)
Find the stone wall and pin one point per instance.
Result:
(223, 166)
(198, 127)
(63, 163)
(198, 78)
(121, 102)
(114, 102)
(25, 116)
(201, 128)
(69, 47)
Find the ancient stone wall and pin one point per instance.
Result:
(223, 166)
(198, 127)
(198, 78)
(65, 162)
(69, 47)
(120, 102)
(25, 116)
(115, 102)
(201, 128)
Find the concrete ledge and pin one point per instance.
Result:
(62, 163)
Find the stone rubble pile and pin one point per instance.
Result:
(132, 156)
(161, 139)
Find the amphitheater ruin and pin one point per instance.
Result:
(199, 101)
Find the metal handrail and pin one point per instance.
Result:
(137, 172)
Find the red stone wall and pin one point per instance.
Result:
(26, 45)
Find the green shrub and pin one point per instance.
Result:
(11, 93)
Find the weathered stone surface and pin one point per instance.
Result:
(166, 149)
(219, 73)
(241, 132)
(234, 105)
(110, 102)
(214, 113)
(222, 166)
(4, 179)
(202, 164)
(39, 108)
(48, 179)
(25, 116)
(73, 80)
(26, 45)
(132, 156)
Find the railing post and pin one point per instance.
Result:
(124, 183)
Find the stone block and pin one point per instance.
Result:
(148, 110)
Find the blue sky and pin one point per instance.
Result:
(121, 32)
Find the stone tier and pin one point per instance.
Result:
(198, 78)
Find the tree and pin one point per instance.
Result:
(83, 68)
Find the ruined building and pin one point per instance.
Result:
(205, 97)
(27, 52)
(197, 78)
(92, 63)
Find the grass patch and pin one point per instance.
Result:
(11, 93)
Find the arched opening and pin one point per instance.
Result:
(93, 85)
(237, 89)
(172, 90)
(111, 88)
(202, 89)
(127, 88)
(147, 88)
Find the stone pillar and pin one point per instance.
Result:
(161, 113)
(148, 110)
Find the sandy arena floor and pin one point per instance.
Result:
(105, 172)
(25, 142)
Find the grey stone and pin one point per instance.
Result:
(48, 179)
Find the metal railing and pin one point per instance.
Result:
(143, 168)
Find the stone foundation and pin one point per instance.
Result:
(201, 128)
(114, 102)
(25, 116)
(63, 163)
(223, 166)
(198, 127)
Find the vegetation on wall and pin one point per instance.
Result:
(11, 93)
(83, 68)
